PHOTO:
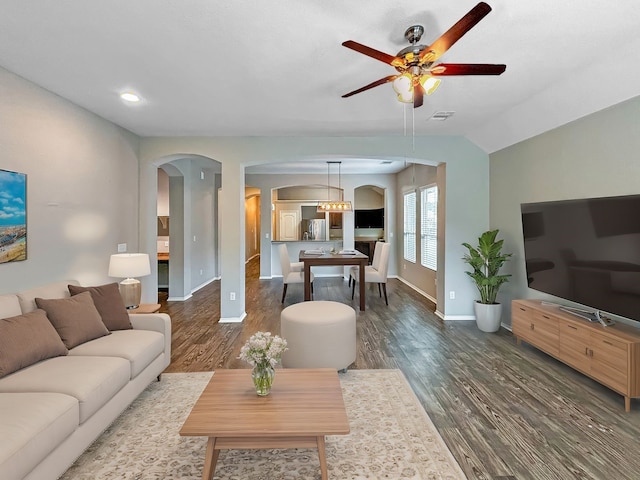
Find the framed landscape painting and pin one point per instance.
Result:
(13, 216)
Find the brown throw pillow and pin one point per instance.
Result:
(27, 339)
(109, 304)
(76, 318)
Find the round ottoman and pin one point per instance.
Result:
(319, 334)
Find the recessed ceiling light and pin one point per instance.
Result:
(129, 97)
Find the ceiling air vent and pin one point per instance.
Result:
(442, 116)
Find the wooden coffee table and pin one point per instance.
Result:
(303, 407)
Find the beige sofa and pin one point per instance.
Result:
(52, 410)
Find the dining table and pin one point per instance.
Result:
(321, 258)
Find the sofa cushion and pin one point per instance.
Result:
(109, 304)
(9, 306)
(76, 319)
(27, 298)
(139, 347)
(93, 381)
(27, 339)
(31, 426)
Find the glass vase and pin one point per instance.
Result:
(262, 376)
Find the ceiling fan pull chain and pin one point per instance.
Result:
(404, 118)
(413, 128)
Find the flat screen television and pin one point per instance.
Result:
(369, 218)
(586, 251)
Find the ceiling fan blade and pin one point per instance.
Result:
(382, 81)
(373, 53)
(443, 69)
(454, 34)
(418, 95)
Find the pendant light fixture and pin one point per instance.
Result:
(334, 205)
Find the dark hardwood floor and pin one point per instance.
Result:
(505, 411)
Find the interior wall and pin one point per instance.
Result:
(368, 198)
(82, 186)
(252, 230)
(201, 212)
(595, 156)
(411, 179)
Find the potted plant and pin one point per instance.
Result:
(486, 260)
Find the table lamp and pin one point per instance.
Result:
(127, 266)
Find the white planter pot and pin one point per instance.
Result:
(488, 316)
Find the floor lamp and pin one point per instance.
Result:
(127, 266)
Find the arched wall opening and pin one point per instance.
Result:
(467, 198)
(187, 250)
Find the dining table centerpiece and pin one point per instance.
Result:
(263, 351)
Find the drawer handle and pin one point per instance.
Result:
(532, 326)
(608, 343)
(544, 316)
(586, 350)
(572, 327)
(522, 309)
(591, 353)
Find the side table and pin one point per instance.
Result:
(145, 308)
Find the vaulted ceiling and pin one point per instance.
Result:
(277, 67)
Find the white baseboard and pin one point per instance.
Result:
(202, 285)
(413, 287)
(233, 319)
(179, 299)
(455, 317)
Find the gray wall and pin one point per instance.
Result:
(595, 156)
(411, 179)
(82, 186)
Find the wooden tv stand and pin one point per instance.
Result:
(609, 355)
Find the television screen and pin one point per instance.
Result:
(369, 218)
(586, 251)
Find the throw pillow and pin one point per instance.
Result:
(109, 304)
(27, 339)
(76, 318)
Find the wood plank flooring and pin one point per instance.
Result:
(505, 411)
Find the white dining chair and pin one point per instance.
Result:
(355, 270)
(376, 272)
(289, 275)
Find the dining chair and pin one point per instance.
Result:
(376, 272)
(375, 261)
(289, 275)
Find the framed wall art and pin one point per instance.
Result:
(13, 216)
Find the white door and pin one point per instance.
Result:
(289, 225)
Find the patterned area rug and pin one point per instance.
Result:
(391, 437)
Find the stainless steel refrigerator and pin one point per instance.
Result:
(315, 228)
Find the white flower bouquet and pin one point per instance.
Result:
(263, 349)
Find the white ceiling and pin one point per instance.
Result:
(277, 67)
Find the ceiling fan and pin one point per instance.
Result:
(415, 63)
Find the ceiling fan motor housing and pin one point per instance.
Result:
(414, 33)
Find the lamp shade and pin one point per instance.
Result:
(127, 265)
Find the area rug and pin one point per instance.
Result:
(391, 438)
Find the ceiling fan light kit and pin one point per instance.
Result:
(415, 63)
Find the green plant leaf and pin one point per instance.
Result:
(486, 260)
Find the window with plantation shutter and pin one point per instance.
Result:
(410, 226)
(429, 227)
